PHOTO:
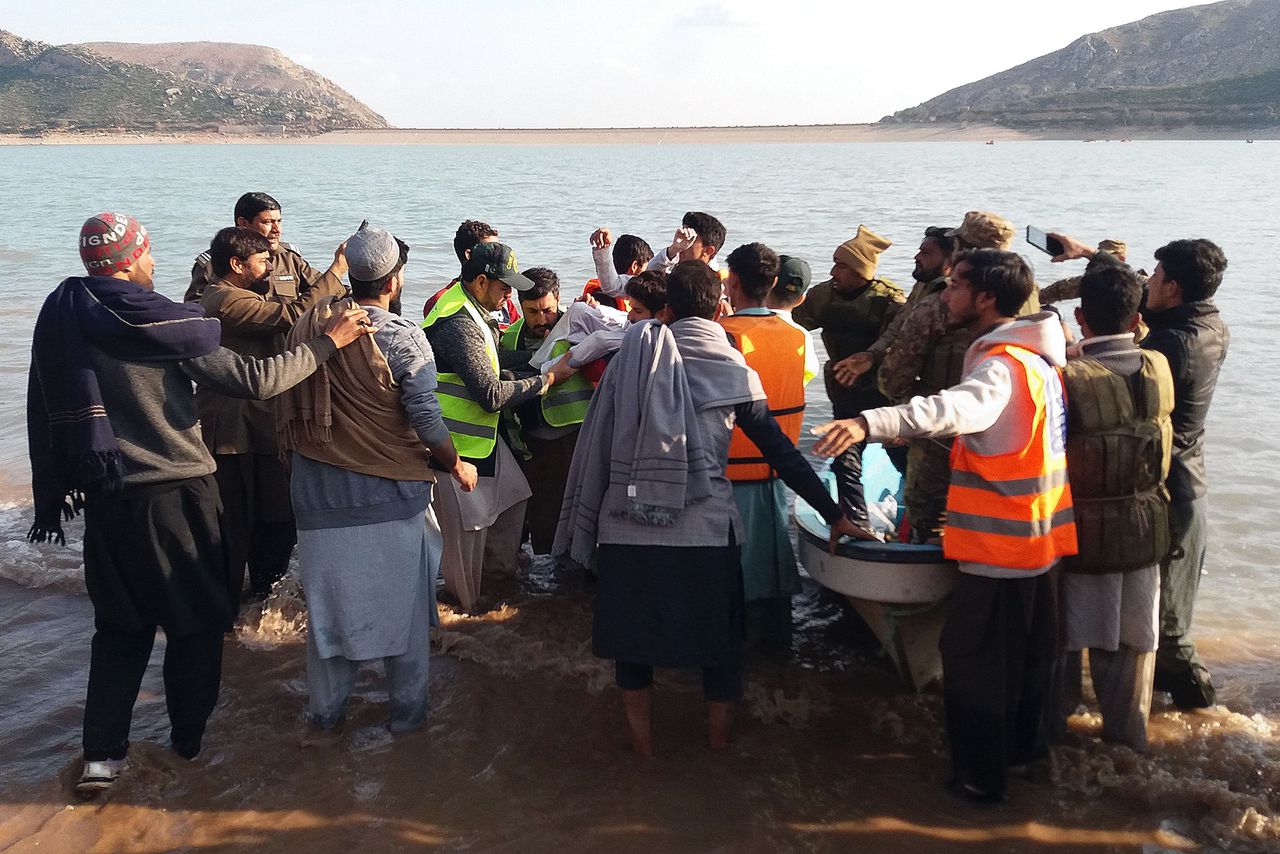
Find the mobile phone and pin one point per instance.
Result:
(1044, 242)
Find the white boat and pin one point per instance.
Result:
(898, 589)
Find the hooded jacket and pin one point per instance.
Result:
(976, 407)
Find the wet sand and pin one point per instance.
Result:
(525, 750)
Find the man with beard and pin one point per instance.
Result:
(852, 309)
(364, 433)
(928, 469)
(241, 434)
(1009, 515)
(112, 426)
(291, 275)
(548, 426)
(482, 529)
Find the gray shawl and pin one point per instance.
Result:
(641, 433)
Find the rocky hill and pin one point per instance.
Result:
(1214, 66)
(168, 88)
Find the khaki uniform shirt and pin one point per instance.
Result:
(291, 275)
(253, 325)
(893, 331)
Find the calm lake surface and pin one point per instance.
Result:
(1209, 778)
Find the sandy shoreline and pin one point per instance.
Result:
(636, 136)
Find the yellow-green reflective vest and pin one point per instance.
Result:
(565, 403)
(473, 428)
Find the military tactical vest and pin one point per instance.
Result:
(1119, 438)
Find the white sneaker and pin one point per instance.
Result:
(97, 777)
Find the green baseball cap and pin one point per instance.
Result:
(793, 275)
(497, 261)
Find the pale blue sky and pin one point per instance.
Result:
(603, 63)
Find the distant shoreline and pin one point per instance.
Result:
(639, 136)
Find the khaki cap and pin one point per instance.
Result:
(984, 230)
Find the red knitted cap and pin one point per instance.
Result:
(111, 243)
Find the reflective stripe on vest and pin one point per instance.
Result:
(473, 428)
(775, 350)
(566, 403)
(1014, 510)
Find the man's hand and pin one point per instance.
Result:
(683, 239)
(848, 370)
(465, 474)
(600, 238)
(589, 300)
(348, 326)
(1071, 248)
(559, 372)
(839, 436)
(844, 528)
(339, 265)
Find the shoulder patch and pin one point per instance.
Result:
(203, 259)
(289, 248)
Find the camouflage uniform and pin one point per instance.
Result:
(926, 356)
(291, 275)
(850, 325)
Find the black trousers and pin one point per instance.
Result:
(998, 648)
(192, 670)
(719, 684)
(257, 518)
(848, 471)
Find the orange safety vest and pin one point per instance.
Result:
(592, 289)
(1014, 510)
(775, 350)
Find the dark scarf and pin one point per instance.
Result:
(73, 448)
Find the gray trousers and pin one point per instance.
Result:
(1121, 679)
(1178, 666)
(331, 680)
(467, 554)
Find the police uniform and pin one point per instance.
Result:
(241, 434)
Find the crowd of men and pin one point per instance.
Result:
(1066, 479)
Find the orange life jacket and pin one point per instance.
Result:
(775, 350)
(592, 289)
(1014, 510)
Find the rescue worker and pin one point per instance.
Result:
(291, 276)
(547, 426)
(1119, 438)
(481, 528)
(240, 433)
(852, 308)
(775, 350)
(1009, 516)
(928, 355)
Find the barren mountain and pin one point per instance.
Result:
(241, 68)
(73, 87)
(1214, 66)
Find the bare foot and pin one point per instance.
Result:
(719, 724)
(639, 706)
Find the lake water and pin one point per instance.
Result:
(522, 752)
